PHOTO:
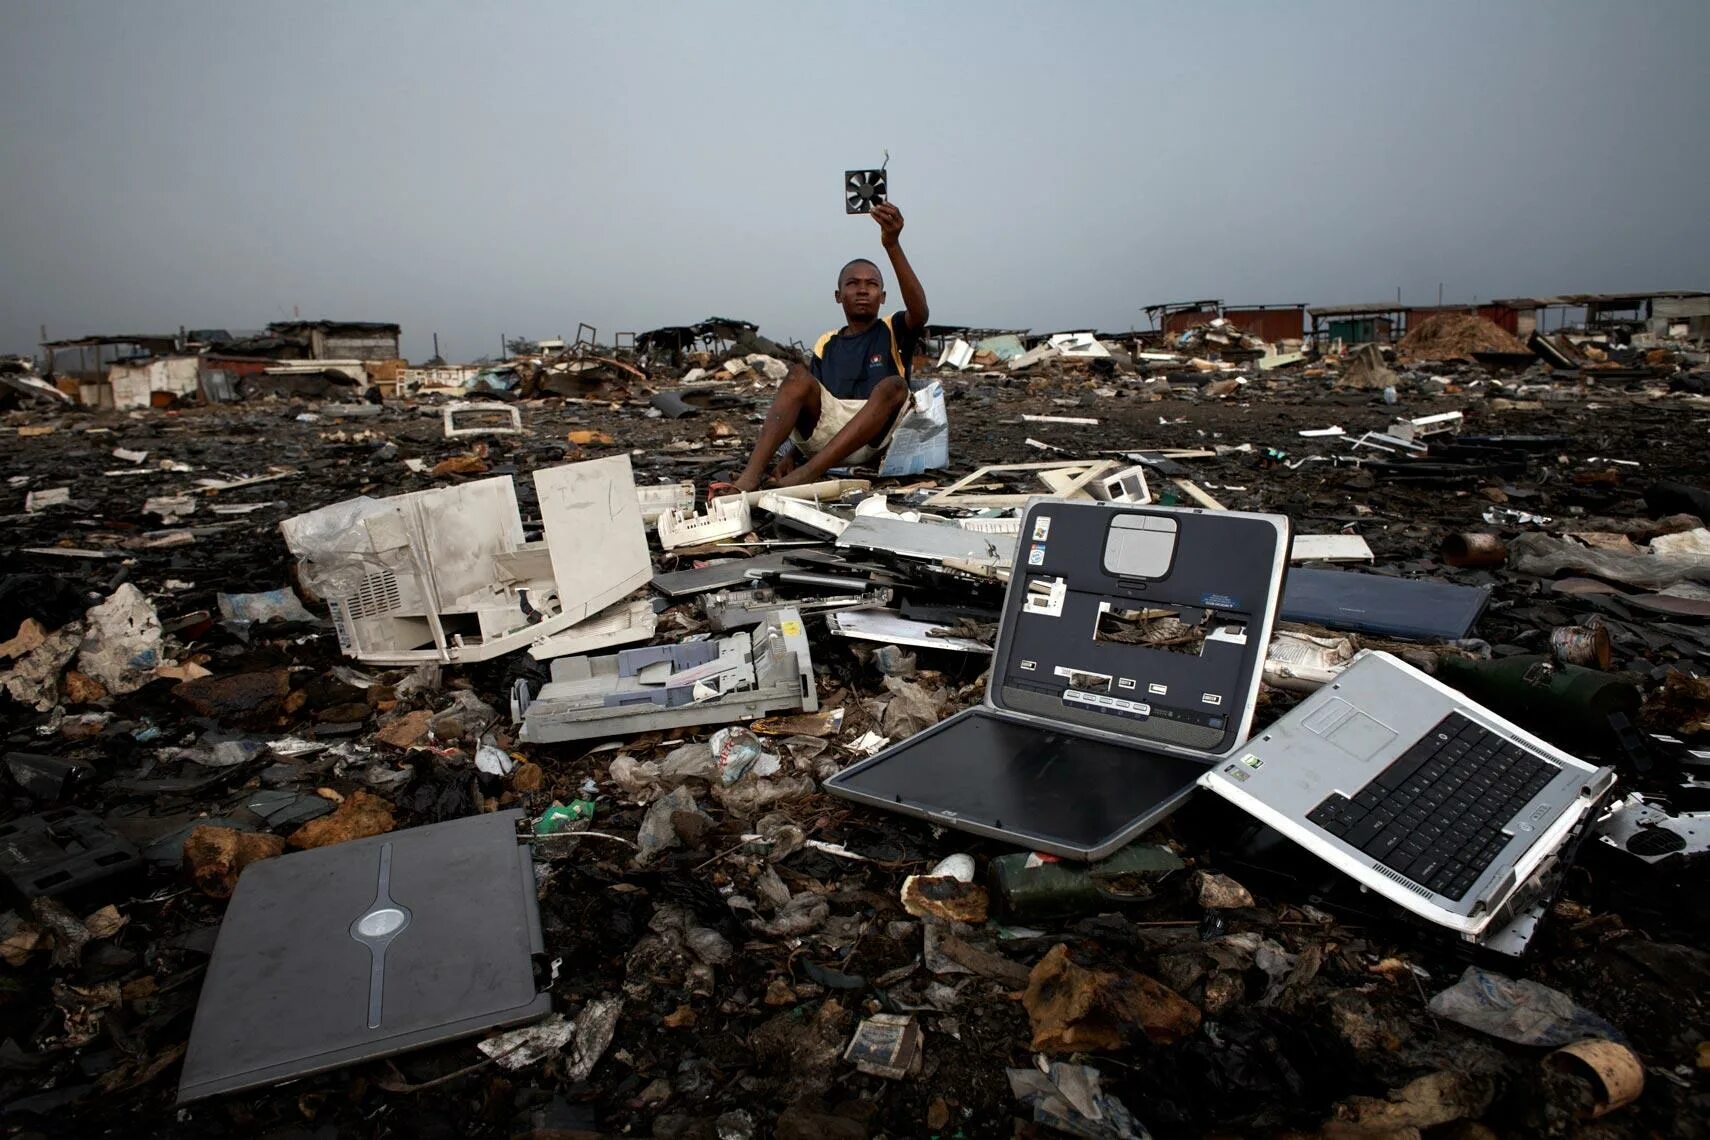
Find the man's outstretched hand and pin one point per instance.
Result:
(890, 221)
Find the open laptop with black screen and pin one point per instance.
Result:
(1128, 661)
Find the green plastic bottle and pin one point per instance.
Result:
(1029, 886)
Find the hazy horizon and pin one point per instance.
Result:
(515, 171)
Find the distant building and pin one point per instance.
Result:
(1679, 314)
(341, 340)
(366, 351)
(1180, 316)
(1374, 322)
(1270, 323)
(84, 367)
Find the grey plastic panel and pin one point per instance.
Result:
(1225, 568)
(367, 949)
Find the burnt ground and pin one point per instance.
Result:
(762, 1034)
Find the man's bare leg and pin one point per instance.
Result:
(795, 406)
(862, 429)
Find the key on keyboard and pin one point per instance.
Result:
(1436, 814)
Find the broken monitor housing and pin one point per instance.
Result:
(449, 575)
(715, 681)
(1128, 661)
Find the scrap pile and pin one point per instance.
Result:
(1447, 336)
(539, 671)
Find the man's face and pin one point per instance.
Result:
(861, 292)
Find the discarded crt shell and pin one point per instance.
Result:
(1586, 645)
(1474, 550)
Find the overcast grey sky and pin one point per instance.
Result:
(520, 167)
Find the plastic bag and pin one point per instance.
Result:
(921, 441)
(1524, 1012)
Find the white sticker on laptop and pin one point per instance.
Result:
(1036, 556)
(1042, 528)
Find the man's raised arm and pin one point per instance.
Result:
(890, 221)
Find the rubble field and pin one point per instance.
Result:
(736, 954)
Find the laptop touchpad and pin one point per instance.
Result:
(1350, 729)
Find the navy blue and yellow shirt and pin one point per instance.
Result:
(851, 366)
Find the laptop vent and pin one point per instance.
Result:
(1409, 884)
(377, 595)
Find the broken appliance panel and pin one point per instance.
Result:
(766, 669)
(447, 575)
(734, 609)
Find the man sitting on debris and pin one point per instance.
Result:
(843, 407)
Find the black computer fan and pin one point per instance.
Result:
(862, 190)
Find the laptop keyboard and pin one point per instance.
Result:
(1436, 814)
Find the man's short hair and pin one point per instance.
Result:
(841, 273)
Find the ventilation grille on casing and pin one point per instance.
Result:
(377, 595)
(1409, 884)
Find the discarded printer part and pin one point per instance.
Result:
(731, 572)
(488, 418)
(890, 628)
(446, 575)
(811, 580)
(619, 625)
(736, 609)
(930, 542)
(1647, 832)
(592, 528)
(1586, 645)
(343, 954)
(802, 512)
(725, 518)
(1474, 550)
(741, 677)
(655, 499)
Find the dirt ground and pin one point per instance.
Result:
(752, 1046)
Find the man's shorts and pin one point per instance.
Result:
(833, 415)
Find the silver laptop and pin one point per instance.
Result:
(1431, 801)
